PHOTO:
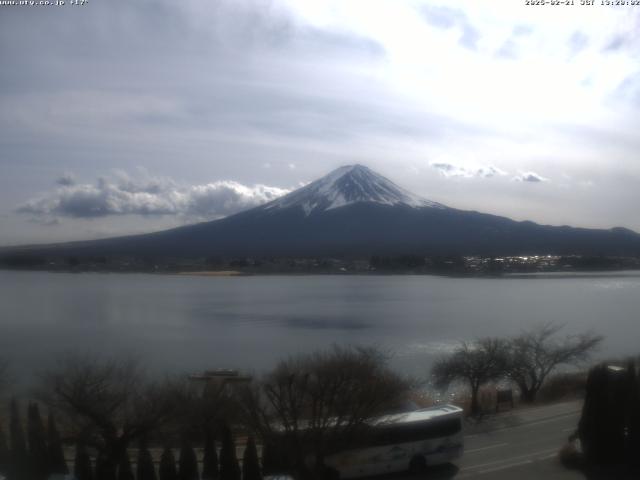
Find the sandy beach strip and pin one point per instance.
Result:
(214, 273)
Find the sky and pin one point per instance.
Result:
(121, 117)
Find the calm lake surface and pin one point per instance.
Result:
(185, 324)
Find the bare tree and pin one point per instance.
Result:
(317, 403)
(202, 408)
(474, 364)
(537, 352)
(4, 376)
(4, 444)
(106, 403)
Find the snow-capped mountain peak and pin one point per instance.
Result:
(347, 185)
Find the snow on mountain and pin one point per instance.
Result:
(347, 185)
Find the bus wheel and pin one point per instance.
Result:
(417, 464)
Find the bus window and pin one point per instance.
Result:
(415, 432)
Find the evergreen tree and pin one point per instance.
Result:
(105, 470)
(4, 453)
(82, 465)
(250, 464)
(37, 443)
(188, 463)
(627, 409)
(592, 425)
(19, 456)
(210, 459)
(270, 463)
(145, 469)
(168, 469)
(617, 415)
(57, 463)
(229, 468)
(125, 472)
(604, 427)
(633, 450)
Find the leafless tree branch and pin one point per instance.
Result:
(474, 364)
(534, 354)
(106, 403)
(319, 402)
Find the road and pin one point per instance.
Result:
(522, 444)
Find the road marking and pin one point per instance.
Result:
(547, 457)
(503, 467)
(540, 422)
(518, 457)
(516, 464)
(486, 448)
(523, 425)
(526, 423)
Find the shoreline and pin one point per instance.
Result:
(212, 273)
(542, 275)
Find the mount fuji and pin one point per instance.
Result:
(346, 186)
(356, 212)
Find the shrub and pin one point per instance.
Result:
(563, 386)
(4, 453)
(19, 465)
(145, 469)
(125, 472)
(82, 464)
(210, 459)
(57, 463)
(250, 464)
(229, 468)
(608, 427)
(188, 462)
(37, 443)
(168, 469)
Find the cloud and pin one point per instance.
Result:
(615, 43)
(66, 179)
(446, 18)
(578, 42)
(309, 83)
(530, 177)
(629, 90)
(522, 30)
(121, 194)
(316, 41)
(510, 48)
(450, 170)
(46, 221)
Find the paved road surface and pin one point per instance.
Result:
(522, 445)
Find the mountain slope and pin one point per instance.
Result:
(355, 212)
(346, 186)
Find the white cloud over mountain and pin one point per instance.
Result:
(530, 177)
(121, 194)
(451, 170)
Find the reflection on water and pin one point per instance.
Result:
(179, 323)
(431, 348)
(324, 323)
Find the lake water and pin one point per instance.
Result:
(187, 323)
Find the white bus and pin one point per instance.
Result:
(404, 441)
